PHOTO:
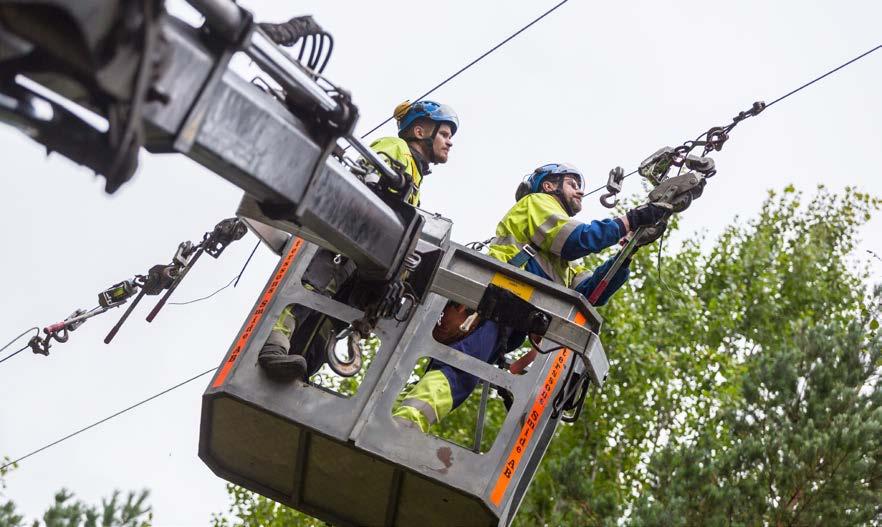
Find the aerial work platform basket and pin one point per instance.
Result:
(345, 459)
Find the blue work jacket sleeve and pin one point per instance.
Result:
(589, 238)
(589, 282)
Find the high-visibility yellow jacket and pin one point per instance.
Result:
(397, 149)
(539, 219)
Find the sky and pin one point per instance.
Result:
(596, 84)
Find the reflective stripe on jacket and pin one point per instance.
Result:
(541, 220)
(397, 149)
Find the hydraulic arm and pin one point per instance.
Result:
(166, 86)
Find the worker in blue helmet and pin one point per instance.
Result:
(425, 136)
(298, 343)
(539, 235)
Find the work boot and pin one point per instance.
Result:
(279, 365)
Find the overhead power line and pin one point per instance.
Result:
(108, 418)
(473, 62)
(788, 94)
(834, 70)
(14, 353)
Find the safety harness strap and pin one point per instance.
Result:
(527, 253)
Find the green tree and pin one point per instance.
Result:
(248, 508)
(680, 340)
(802, 447)
(66, 511)
(113, 512)
(8, 516)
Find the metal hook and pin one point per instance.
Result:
(345, 332)
(609, 204)
(353, 362)
(614, 186)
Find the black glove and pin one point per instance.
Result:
(646, 215)
(652, 234)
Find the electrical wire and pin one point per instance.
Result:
(234, 282)
(788, 94)
(248, 261)
(472, 63)
(108, 418)
(834, 70)
(204, 297)
(13, 354)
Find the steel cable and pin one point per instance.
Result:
(472, 63)
(788, 94)
(13, 354)
(108, 418)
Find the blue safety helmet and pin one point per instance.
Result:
(440, 113)
(532, 183)
(553, 169)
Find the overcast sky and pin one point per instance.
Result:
(597, 84)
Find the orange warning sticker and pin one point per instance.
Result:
(532, 420)
(268, 294)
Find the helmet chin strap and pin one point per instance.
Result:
(429, 144)
(558, 193)
(563, 202)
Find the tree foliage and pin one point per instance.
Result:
(684, 343)
(65, 511)
(247, 509)
(8, 516)
(803, 446)
(743, 389)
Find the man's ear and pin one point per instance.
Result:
(419, 131)
(548, 186)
